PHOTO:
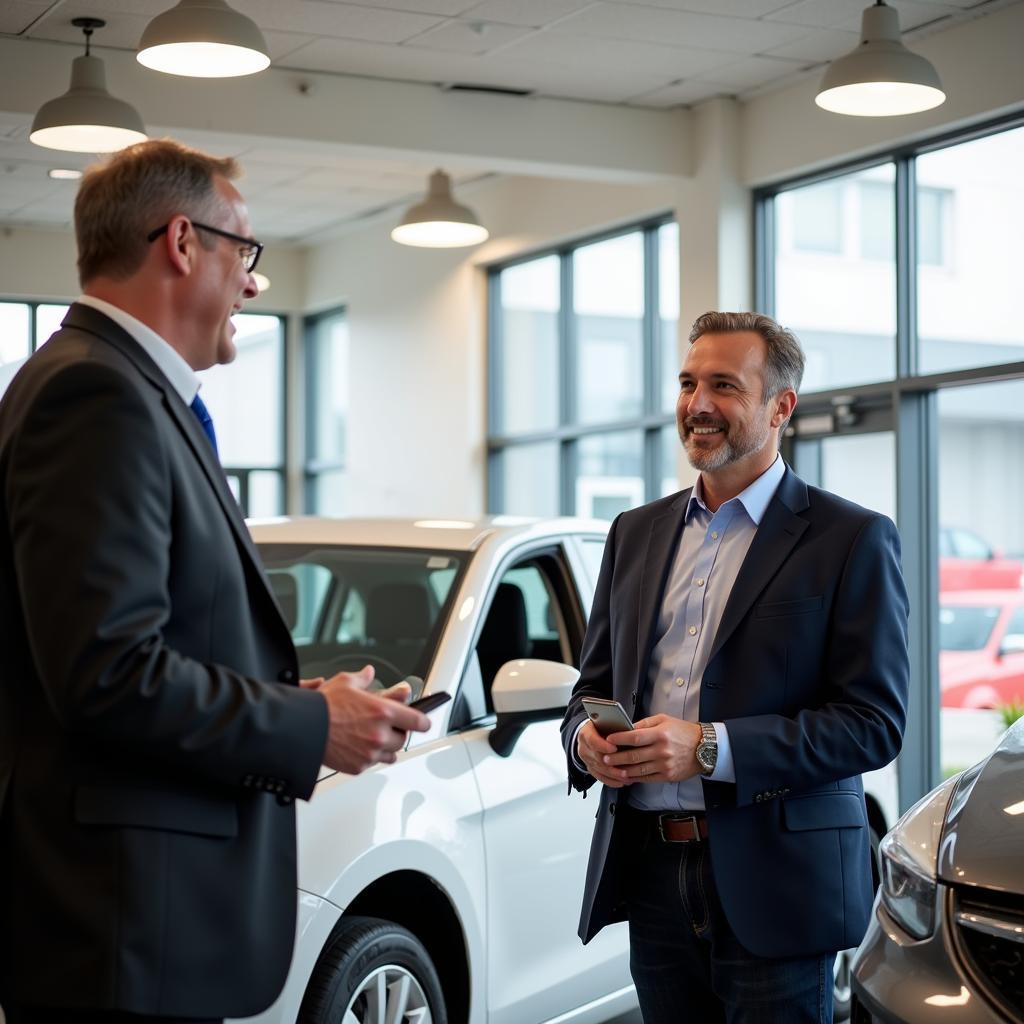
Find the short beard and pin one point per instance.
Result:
(737, 444)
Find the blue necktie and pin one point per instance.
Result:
(202, 414)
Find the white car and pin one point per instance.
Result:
(447, 887)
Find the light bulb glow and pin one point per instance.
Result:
(203, 60)
(86, 138)
(880, 99)
(64, 174)
(440, 234)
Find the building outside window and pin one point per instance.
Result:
(583, 361)
(913, 403)
(326, 357)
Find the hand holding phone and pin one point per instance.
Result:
(608, 716)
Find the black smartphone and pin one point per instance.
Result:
(431, 702)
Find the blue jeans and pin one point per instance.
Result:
(687, 964)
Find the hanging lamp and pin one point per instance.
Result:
(881, 78)
(87, 119)
(439, 222)
(203, 39)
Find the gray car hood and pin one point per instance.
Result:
(983, 838)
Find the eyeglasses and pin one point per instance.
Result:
(249, 249)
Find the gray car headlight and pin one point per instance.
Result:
(908, 856)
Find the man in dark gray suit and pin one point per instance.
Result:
(154, 733)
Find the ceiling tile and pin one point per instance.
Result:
(447, 8)
(525, 12)
(750, 72)
(679, 28)
(819, 13)
(470, 36)
(122, 31)
(409, 63)
(679, 94)
(599, 84)
(590, 52)
(727, 8)
(17, 15)
(820, 45)
(913, 13)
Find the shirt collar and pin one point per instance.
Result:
(754, 498)
(168, 360)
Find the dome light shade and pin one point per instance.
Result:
(881, 78)
(439, 222)
(87, 119)
(203, 39)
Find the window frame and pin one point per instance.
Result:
(569, 431)
(314, 468)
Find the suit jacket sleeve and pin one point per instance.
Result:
(858, 725)
(92, 526)
(595, 662)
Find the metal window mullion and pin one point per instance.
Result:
(568, 462)
(651, 334)
(568, 465)
(764, 250)
(907, 360)
(282, 326)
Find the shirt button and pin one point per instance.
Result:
(714, 535)
(680, 681)
(700, 583)
(693, 631)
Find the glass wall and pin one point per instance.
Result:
(327, 353)
(582, 376)
(900, 277)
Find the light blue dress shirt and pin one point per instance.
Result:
(711, 551)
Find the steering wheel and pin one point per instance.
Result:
(355, 660)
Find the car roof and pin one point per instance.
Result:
(981, 597)
(431, 533)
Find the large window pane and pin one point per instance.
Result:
(835, 276)
(981, 562)
(970, 207)
(668, 440)
(327, 491)
(668, 313)
(529, 479)
(608, 300)
(327, 348)
(14, 340)
(526, 374)
(611, 473)
(48, 318)
(246, 397)
(266, 493)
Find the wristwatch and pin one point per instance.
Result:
(707, 749)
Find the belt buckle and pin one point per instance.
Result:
(691, 818)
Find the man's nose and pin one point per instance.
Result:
(251, 288)
(699, 401)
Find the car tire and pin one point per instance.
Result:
(368, 962)
(842, 993)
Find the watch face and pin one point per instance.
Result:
(707, 755)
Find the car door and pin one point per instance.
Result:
(536, 836)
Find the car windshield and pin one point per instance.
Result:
(966, 627)
(348, 607)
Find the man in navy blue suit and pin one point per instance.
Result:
(756, 630)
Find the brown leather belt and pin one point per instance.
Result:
(682, 828)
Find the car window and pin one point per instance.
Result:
(1013, 638)
(966, 627)
(969, 545)
(593, 552)
(348, 607)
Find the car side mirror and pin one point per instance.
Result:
(1013, 643)
(528, 690)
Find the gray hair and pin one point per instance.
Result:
(140, 188)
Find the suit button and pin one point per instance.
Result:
(284, 800)
(286, 675)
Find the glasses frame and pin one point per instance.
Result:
(249, 258)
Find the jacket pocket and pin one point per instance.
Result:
(768, 609)
(157, 809)
(824, 810)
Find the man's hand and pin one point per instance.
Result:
(366, 728)
(593, 751)
(658, 749)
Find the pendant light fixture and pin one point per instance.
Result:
(439, 222)
(87, 119)
(881, 78)
(203, 39)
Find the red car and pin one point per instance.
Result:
(981, 648)
(966, 562)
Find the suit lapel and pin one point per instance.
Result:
(662, 542)
(776, 536)
(85, 318)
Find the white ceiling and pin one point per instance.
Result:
(639, 53)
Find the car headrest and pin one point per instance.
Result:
(505, 630)
(398, 611)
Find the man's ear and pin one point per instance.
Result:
(179, 244)
(785, 403)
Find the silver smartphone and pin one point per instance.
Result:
(608, 716)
